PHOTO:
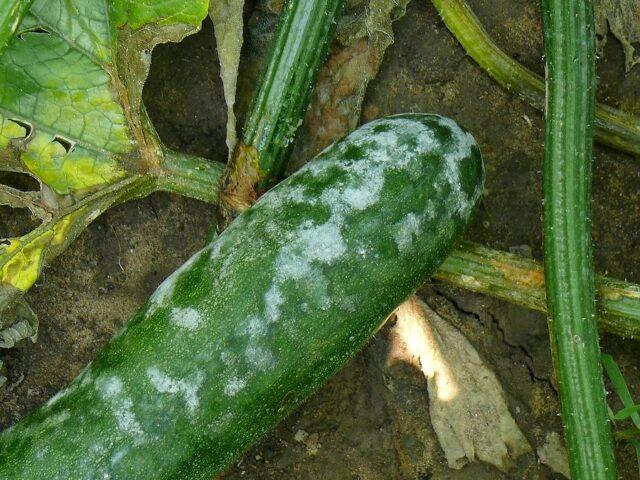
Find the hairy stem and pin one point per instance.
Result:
(20, 266)
(190, 176)
(298, 50)
(613, 127)
(569, 43)
(520, 281)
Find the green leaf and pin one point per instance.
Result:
(620, 387)
(11, 15)
(627, 412)
(71, 115)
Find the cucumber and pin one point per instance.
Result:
(252, 324)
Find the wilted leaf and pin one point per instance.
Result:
(364, 34)
(554, 455)
(71, 116)
(226, 16)
(467, 406)
(622, 18)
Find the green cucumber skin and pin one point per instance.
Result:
(253, 323)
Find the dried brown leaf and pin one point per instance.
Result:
(467, 405)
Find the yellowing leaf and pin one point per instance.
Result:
(21, 259)
(10, 130)
(71, 115)
(23, 267)
(64, 172)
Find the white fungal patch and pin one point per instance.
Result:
(290, 265)
(162, 296)
(406, 230)
(273, 300)
(126, 419)
(188, 318)
(219, 424)
(163, 383)
(323, 243)
(86, 376)
(163, 293)
(53, 400)
(227, 358)
(40, 454)
(233, 386)
(255, 326)
(190, 393)
(295, 261)
(463, 142)
(111, 389)
(259, 357)
(55, 420)
(359, 198)
(119, 455)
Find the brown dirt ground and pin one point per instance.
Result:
(370, 421)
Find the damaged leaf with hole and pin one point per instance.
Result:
(71, 116)
(11, 130)
(65, 168)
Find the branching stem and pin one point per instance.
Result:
(613, 127)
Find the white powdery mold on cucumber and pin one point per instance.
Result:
(406, 231)
(163, 383)
(260, 318)
(111, 389)
(259, 357)
(160, 298)
(234, 385)
(188, 318)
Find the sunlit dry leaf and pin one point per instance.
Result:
(467, 406)
(228, 27)
(554, 455)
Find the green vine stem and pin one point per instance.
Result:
(298, 50)
(569, 44)
(496, 273)
(11, 14)
(613, 127)
(182, 174)
(520, 281)
(190, 176)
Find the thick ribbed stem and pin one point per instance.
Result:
(569, 42)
